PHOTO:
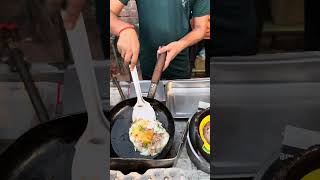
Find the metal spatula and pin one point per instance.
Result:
(142, 109)
(92, 149)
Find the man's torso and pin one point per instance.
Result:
(160, 23)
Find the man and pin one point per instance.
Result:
(161, 23)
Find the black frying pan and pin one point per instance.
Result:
(45, 152)
(300, 165)
(121, 114)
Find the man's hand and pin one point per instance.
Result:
(74, 8)
(197, 34)
(172, 49)
(128, 43)
(128, 46)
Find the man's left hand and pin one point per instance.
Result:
(172, 49)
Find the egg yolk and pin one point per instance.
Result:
(143, 135)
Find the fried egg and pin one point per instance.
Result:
(148, 137)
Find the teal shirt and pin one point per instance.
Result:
(162, 22)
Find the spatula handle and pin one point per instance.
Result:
(80, 49)
(136, 83)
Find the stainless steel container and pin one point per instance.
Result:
(183, 96)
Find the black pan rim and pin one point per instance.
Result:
(301, 165)
(21, 150)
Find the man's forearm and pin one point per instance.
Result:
(193, 37)
(116, 24)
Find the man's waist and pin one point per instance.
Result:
(152, 50)
(152, 40)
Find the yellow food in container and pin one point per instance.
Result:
(206, 144)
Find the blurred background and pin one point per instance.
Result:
(265, 66)
(39, 34)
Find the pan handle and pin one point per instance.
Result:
(157, 74)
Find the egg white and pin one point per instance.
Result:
(157, 128)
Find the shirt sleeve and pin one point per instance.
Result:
(125, 2)
(201, 8)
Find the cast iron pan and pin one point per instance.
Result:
(121, 114)
(271, 167)
(192, 149)
(294, 168)
(45, 151)
(301, 165)
(199, 141)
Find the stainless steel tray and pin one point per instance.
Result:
(183, 96)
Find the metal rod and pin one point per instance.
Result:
(22, 68)
(121, 66)
(116, 83)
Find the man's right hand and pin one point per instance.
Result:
(73, 10)
(128, 42)
(129, 46)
